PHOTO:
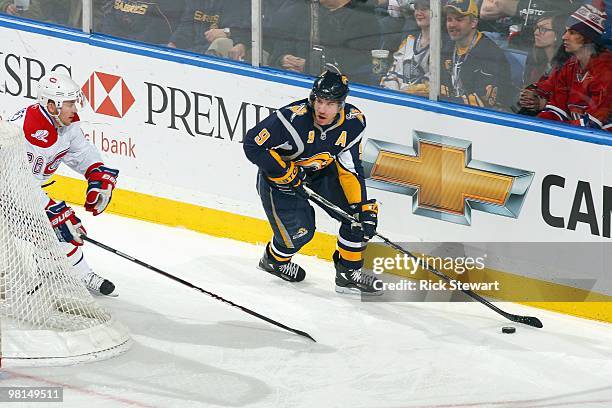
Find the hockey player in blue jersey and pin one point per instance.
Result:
(314, 141)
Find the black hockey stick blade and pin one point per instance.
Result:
(343, 215)
(528, 320)
(267, 319)
(191, 285)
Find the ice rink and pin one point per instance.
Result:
(193, 351)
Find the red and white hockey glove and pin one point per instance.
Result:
(101, 181)
(65, 223)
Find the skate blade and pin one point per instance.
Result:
(278, 276)
(114, 294)
(355, 291)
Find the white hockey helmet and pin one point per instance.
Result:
(57, 88)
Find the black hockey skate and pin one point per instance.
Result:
(97, 285)
(288, 271)
(355, 281)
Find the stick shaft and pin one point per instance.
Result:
(322, 201)
(191, 285)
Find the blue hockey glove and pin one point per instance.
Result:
(65, 223)
(366, 214)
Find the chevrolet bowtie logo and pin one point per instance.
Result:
(444, 180)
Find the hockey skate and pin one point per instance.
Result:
(288, 271)
(355, 281)
(97, 285)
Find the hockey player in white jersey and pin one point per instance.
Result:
(54, 136)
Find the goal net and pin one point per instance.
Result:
(47, 316)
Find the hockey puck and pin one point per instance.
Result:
(508, 329)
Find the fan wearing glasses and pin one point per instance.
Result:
(546, 56)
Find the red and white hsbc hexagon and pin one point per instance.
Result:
(108, 94)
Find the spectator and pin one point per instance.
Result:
(607, 36)
(277, 22)
(348, 34)
(582, 93)
(206, 26)
(397, 22)
(62, 12)
(348, 31)
(293, 41)
(397, 8)
(547, 56)
(496, 9)
(511, 22)
(547, 52)
(151, 21)
(410, 70)
(474, 71)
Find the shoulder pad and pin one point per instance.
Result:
(354, 113)
(299, 108)
(38, 128)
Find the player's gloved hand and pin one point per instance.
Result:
(101, 181)
(65, 223)
(366, 214)
(292, 182)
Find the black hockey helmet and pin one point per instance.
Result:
(331, 86)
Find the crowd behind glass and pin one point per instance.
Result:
(545, 58)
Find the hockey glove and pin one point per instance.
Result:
(366, 214)
(292, 182)
(65, 223)
(101, 181)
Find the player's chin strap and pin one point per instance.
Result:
(191, 285)
(57, 122)
(343, 215)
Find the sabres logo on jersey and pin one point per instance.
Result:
(298, 110)
(355, 113)
(317, 162)
(301, 232)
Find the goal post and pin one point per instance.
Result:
(47, 316)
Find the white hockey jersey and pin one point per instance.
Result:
(47, 146)
(410, 67)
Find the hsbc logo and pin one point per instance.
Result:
(108, 94)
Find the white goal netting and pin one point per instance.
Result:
(47, 316)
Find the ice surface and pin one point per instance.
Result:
(193, 351)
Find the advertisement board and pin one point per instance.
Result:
(174, 129)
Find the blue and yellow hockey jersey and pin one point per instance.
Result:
(291, 134)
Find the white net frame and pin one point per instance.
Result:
(47, 316)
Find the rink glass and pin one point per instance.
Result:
(290, 44)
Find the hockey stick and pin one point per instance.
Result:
(191, 285)
(326, 204)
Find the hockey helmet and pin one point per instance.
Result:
(58, 88)
(331, 86)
